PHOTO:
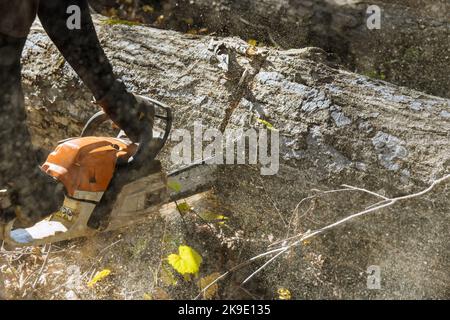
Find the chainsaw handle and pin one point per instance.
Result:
(93, 123)
(148, 148)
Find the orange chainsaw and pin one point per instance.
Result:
(110, 182)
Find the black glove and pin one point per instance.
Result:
(130, 113)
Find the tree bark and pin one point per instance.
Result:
(335, 127)
(411, 48)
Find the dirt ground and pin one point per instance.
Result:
(330, 266)
(137, 261)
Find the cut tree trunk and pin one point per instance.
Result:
(335, 127)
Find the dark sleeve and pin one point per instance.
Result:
(17, 16)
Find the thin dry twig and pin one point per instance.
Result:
(111, 245)
(265, 264)
(320, 194)
(366, 191)
(42, 267)
(388, 202)
(274, 204)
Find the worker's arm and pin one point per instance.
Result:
(82, 50)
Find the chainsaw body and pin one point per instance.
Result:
(110, 183)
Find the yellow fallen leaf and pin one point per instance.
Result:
(213, 217)
(267, 124)
(99, 276)
(147, 296)
(251, 51)
(252, 42)
(184, 207)
(187, 261)
(174, 185)
(212, 290)
(112, 21)
(284, 294)
(148, 9)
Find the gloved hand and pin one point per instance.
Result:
(129, 112)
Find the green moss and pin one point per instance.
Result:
(374, 74)
(111, 22)
(411, 54)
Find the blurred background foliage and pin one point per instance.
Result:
(157, 13)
